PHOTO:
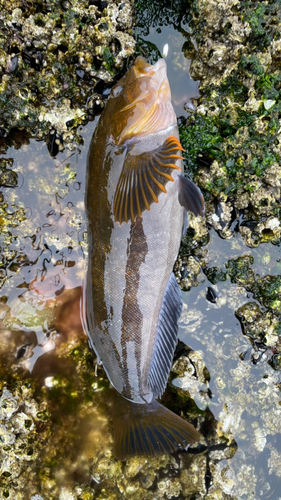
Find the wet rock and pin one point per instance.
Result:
(237, 116)
(192, 378)
(193, 477)
(240, 272)
(41, 87)
(215, 274)
(8, 405)
(187, 271)
(8, 178)
(268, 290)
(211, 295)
(274, 463)
(257, 324)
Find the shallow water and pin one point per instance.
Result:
(169, 43)
(244, 389)
(44, 260)
(43, 254)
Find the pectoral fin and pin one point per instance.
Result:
(143, 179)
(190, 196)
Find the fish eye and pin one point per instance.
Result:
(116, 91)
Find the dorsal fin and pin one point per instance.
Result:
(166, 340)
(143, 178)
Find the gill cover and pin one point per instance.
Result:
(140, 103)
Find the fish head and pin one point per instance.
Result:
(140, 103)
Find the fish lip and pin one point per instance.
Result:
(152, 69)
(160, 64)
(160, 69)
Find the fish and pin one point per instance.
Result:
(137, 203)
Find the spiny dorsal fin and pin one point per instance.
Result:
(143, 178)
(166, 340)
(148, 429)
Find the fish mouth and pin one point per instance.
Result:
(142, 66)
(159, 66)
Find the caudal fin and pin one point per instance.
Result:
(149, 429)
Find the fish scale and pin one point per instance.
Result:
(137, 201)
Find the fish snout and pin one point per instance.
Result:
(160, 65)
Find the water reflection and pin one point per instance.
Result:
(166, 33)
(42, 250)
(245, 389)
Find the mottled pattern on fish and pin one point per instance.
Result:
(136, 206)
(137, 262)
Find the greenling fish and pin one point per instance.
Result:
(137, 202)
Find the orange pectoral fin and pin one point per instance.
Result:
(143, 179)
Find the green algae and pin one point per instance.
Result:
(215, 275)
(236, 158)
(200, 137)
(239, 270)
(268, 291)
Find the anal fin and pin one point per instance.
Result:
(166, 340)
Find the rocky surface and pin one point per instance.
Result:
(56, 60)
(232, 257)
(232, 141)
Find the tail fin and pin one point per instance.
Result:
(148, 429)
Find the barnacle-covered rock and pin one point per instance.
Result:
(192, 377)
(187, 271)
(274, 462)
(232, 139)
(192, 476)
(52, 56)
(30, 428)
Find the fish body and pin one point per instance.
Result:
(137, 201)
